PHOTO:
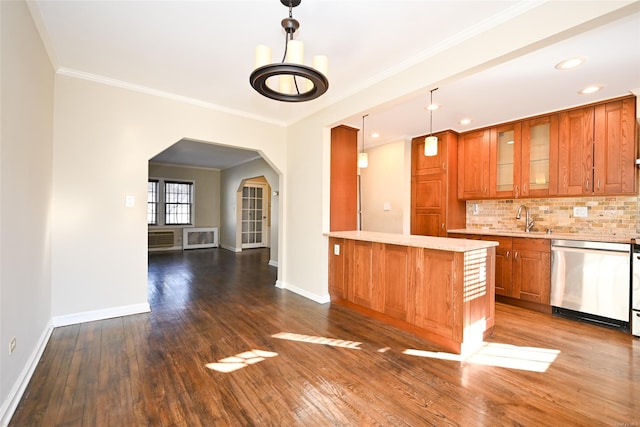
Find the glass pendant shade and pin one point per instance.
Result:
(363, 160)
(431, 146)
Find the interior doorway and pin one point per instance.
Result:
(254, 213)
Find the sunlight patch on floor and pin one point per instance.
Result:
(533, 359)
(240, 360)
(317, 340)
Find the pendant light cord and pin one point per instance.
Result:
(286, 46)
(431, 112)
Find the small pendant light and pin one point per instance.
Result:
(431, 142)
(363, 158)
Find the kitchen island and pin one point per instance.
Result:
(439, 289)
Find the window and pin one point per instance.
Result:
(173, 198)
(152, 202)
(177, 203)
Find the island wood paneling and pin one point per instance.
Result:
(445, 297)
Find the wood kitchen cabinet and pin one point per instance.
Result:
(474, 154)
(343, 199)
(531, 269)
(435, 206)
(520, 157)
(597, 149)
(523, 270)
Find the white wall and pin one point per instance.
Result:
(229, 183)
(103, 140)
(385, 181)
(26, 132)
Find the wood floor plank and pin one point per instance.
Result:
(335, 368)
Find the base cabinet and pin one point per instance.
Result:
(523, 268)
(439, 295)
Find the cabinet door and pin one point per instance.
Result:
(539, 157)
(575, 152)
(423, 165)
(474, 150)
(428, 202)
(504, 255)
(531, 270)
(505, 161)
(361, 272)
(615, 148)
(397, 274)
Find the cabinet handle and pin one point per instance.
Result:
(508, 255)
(515, 255)
(598, 185)
(517, 189)
(524, 188)
(443, 226)
(586, 186)
(485, 190)
(444, 166)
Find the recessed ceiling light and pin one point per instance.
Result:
(465, 121)
(590, 89)
(375, 135)
(570, 63)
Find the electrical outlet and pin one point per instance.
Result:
(580, 211)
(336, 249)
(12, 345)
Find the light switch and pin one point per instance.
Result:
(580, 211)
(129, 201)
(336, 249)
(386, 206)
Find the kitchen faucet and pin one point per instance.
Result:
(528, 221)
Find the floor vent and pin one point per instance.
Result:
(161, 239)
(203, 237)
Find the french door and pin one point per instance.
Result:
(254, 216)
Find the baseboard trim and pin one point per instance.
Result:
(273, 263)
(320, 299)
(90, 316)
(231, 248)
(13, 399)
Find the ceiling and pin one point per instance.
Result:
(203, 51)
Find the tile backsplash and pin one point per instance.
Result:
(609, 215)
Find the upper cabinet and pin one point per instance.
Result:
(474, 153)
(539, 156)
(583, 151)
(598, 149)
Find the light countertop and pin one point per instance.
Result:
(543, 235)
(427, 242)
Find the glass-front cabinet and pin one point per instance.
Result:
(507, 160)
(539, 140)
(522, 157)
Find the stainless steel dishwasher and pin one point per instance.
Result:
(591, 281)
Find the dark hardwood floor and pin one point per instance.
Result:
(224, 347)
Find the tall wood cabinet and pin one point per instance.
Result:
(435, 206)
(344, 174)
